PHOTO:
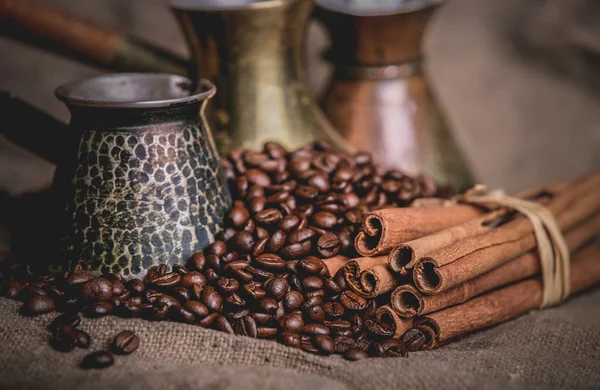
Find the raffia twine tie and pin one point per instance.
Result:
(552, 247)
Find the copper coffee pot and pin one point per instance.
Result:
(378, 97)
(254, 52)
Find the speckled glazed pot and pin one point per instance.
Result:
(141, 184)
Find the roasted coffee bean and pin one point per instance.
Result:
(297, 250)
(268, 216)
(261, 318)
(243, 241)
(211, 275)
(342, 332)
(249, 226)
(340, 279)
(238, 314)
(324, 344)
(312, 301)
(83, 339)
(353, 301)
(378, 330)
(257, 204)
(291, 322)
(136, 286)
(413, 339)
(193, 277)
(300, 235)
(270, 261)
(253, 291)
(277, 241)
(162, 270)
(39, 304)
(354, 354)
(214, 262)
(64, 339)
(118, 288)
(290, 339)
(100, 309)
(312, 283)
(168, 300)
(328, 245)
(293, 300)
(289, 223)
(181, 314)
(331, 287)
(239, 216)
(277, 288)
(180, 269)
(307, 192)
(268, 305)
(80, 277)
(259, 274)
(125, 342)
(235, 300)
(274, 150)
(65, 319)
(209, 320)
(98, 288)
(211, 299)
(357, 323)
(258, 177)
(333, 310)
(182, 294)
(30, 291)
(99, 359)
(224, 325)
(151, 296)
(217, 248)
(337, 324)
(265, 332)
(315, 329)
(197, 308)
(196, 291)
(246, 326)
(228, 285)
(260, 247)
(388, 348)
(324, 219)
(308, 345)
(344, 343)
(315, 314)
(198, 261)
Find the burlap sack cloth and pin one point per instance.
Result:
(553, 348)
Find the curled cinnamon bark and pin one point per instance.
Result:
(508, 302)
(466, 259)
(370, 276)
(387, 316)
(333, 264)
(382, 230)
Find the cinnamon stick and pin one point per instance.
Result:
(387, 316)
(474, 256)
(370, 276)
(407, 301)
(507, 303)
(382, 230)
(334, 263)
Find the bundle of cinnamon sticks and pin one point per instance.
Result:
(449, 268)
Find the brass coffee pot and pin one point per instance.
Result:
(253, 52)
(378, 97)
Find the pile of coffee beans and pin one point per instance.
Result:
(264, 276)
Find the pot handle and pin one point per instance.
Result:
(31, 128)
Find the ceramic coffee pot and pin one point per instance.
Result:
(378, 97)
(253, 52)
(138, 180)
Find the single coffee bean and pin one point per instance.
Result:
(413, 339)
(159, 311)
(98, 288)
(337, 324)
(290, 339)
(268, 305)
(235, 301)
(388, 348)
(300, 235)
(224, 325)
(209, 320)
(340, 279)
(125, 342)
(253, 291)
(181, 293)
(197, 308)
(265, 332)
(228, 285)
(277, 241)
(260, 247)
(168, 300)
(80, 277)
(315, 329)
(246, 326)
(64, 339)
(198, 261)
(162, 270)
(328, 245)
(239, 216)
(180, 269)
(211, 275)
(151, 296)
(217, 248)
(325, 344)
(293, 300)
(261, 318)
(268, 216)
(297, 250)
(214, 262)
(315, 314)
(354, 354)
(291, 322)
(136, 286)
(277, 288)
(244, 241)
(333, 310)
(100, 309)
(259, 274)
(238, 314)
(99, 359)
(39, 304)
(257, 204)
(312, 283)
(193, 277)
(183, 315)
(324, 219)
(311, 266)
(270, 261)
(274, 150)
(83, 339)
(65, 319)
(341, 332)
(312, 301)
(118, 288)
(353, 301)
(196, 291)
(212, 299)
(258, 177)
(249, 226)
